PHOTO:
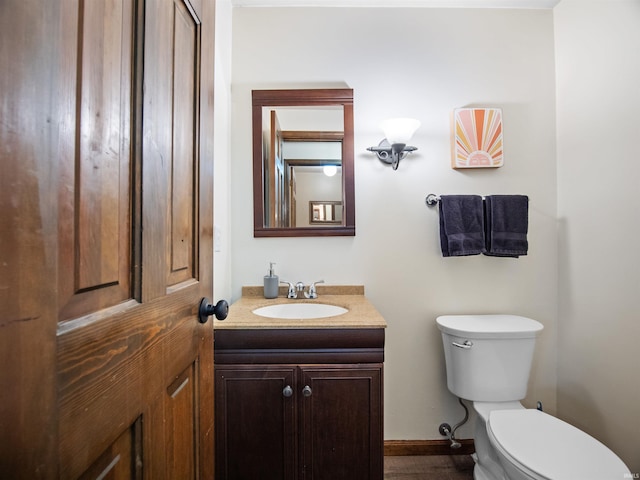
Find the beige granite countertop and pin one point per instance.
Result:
(361, 314)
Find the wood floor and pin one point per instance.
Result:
(424, 467)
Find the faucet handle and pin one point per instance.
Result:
(312, 290)
(291, 293)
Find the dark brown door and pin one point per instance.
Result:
(341, 412)
(256, 422)
(106, 239)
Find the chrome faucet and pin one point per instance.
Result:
(293, 290)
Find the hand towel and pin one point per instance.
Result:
(506, 223)
(461, 225)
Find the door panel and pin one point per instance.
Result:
(95, 181)
(119, 459)
(180, 429)
(107, 246)
(186, 52)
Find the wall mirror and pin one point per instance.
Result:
(303, 173)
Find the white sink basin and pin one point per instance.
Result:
(300, 311)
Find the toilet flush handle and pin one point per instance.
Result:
(465, 344)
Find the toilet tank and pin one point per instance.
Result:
(488, 357)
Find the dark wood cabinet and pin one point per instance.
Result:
(341, 435)
(255, 422)
(298, 420)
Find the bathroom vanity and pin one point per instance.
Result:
(300, 398)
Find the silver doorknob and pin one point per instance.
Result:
(306, 391)
(287, 391)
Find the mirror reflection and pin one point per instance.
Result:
(325, 212)
(302, 155)
(303, 162)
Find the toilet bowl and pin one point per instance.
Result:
(488, 360)
(531, 444)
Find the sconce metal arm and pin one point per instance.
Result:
(387, 154)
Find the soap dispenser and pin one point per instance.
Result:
(271, 283)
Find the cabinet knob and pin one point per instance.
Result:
(287, 391)
(306, 391)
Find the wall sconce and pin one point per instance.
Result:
(330, 170)
(397, 132)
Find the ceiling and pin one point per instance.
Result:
(540, 4)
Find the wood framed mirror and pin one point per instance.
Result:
(302, 151)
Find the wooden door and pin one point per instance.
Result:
(256, 422)
(275, 175)
(106, 239)
(341, 415)
(292, 204)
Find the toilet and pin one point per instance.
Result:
(488, 359)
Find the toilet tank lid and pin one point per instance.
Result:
(489, 326)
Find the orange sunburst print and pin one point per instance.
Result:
(477, 138)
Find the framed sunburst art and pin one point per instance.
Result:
(477, 138)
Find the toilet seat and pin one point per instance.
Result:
(545, 447)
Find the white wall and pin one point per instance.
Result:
(598, 74)
(222, 145)
(420, 63)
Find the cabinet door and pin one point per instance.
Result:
(341, 411)
(255, 422)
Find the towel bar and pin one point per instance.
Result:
(432, 199)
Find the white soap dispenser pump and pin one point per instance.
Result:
(271, 283)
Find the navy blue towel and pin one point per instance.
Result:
(506, 223)
(461, 225)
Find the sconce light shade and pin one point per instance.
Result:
(397, 132)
